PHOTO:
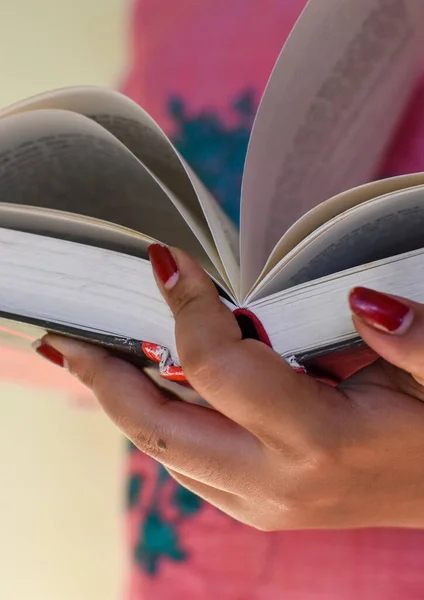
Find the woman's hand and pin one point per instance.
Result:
(281, 451)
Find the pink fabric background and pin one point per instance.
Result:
(208, 51)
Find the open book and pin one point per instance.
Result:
(88, 180)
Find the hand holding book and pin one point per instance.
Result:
(280, 450)
(88, 180)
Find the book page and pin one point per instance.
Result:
(84, 230)
(380, 228)
(132, 126)
(75, 228)
(317, 315)
(82, 287)
(333, 101)
(337, 205)
(64, 161)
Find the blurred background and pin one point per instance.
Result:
(65, 471)
(60, 468)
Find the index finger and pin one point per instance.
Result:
(195, 441)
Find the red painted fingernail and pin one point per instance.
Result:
(380, 311)
(155, 353)
(49, 353)
(152, 351)
(164, 265)
(173, 373)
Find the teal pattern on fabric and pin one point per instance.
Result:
(135, 484)
(215, 149)
(159, 537)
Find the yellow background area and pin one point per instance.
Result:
(61, 476)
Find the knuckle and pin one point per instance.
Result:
(151, 441)
(307, 491)
(82, 371)
(90, 373)
(207, 368)
(208, 364)
(321, 461)
(199, 362)
(310, 486)
(183, 298)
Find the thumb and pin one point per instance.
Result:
(392, 326)
(205, 329)
(243, 379)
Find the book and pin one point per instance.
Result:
(88, 181)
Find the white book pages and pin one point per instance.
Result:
(145, 139)
(332, 102)
(379, 228)
(317, 315)
(327, 210)
(62, 160)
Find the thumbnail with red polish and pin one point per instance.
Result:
(164, 265)
(380, 311)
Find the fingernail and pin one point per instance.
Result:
(380, 311)
(164, 265)
(152, 351)
(173, 373)
(50, 354)
(155, 353)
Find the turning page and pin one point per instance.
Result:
(332, 103)
(61, 160)
(138, 132)
(379, 228)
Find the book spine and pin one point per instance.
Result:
(332, 364)
(336, 363)
(19, 332)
